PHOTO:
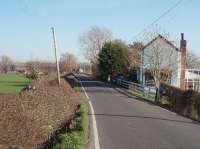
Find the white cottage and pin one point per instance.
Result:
(164, 54)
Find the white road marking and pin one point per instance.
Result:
(84, 90)
(94, 123)
(96, 138)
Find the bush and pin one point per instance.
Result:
(30, 118)
(132, 75)
(77, 137)
(183, 102)
(33, 75)
(113, 59)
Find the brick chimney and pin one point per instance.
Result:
(183, 48)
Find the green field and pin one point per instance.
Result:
(49, 76)
(12, 83)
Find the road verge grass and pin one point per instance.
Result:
(77, 137)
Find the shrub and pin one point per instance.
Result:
(30, 118)
(113, 59)
(77, 137)
(33, 75)
(183, 102)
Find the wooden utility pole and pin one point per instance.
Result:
(56, 56)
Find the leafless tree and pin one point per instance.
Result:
(6, 63)
(92, 42)
(37, 69)
(30, 65)
(193, 61)
(40, 66)
(86, 67)
(160, 59)
(134, 55)
(68, 62)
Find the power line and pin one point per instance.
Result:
(162, 15)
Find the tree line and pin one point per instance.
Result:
(68, 62)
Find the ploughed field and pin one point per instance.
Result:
(30, 118)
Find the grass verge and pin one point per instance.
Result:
(77, 137)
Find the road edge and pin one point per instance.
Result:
(94, 123)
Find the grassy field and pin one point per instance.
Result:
(12, 83)
(49, 77)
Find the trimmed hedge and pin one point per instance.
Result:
(183, 102)
(30, 119)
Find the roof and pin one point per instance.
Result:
(164, 39)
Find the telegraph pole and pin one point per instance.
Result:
(56, 56)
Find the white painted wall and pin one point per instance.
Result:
(169, 57)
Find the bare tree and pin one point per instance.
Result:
(68, 62)
(42, 66)
(134, 54)
(86, 67)
(160, 59)
(193, 61)
(92, 42)
(6, 63)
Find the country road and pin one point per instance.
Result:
(127, 123)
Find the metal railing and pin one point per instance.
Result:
(146, 91)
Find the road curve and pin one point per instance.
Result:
(127, 123)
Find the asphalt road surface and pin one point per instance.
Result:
(127, 123)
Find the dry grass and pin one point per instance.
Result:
(29, 119)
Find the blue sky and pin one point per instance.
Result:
(25, 24)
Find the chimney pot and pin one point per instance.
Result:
(182, 36)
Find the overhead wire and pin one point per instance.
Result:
(160, 17)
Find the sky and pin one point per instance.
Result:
(25, 24)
